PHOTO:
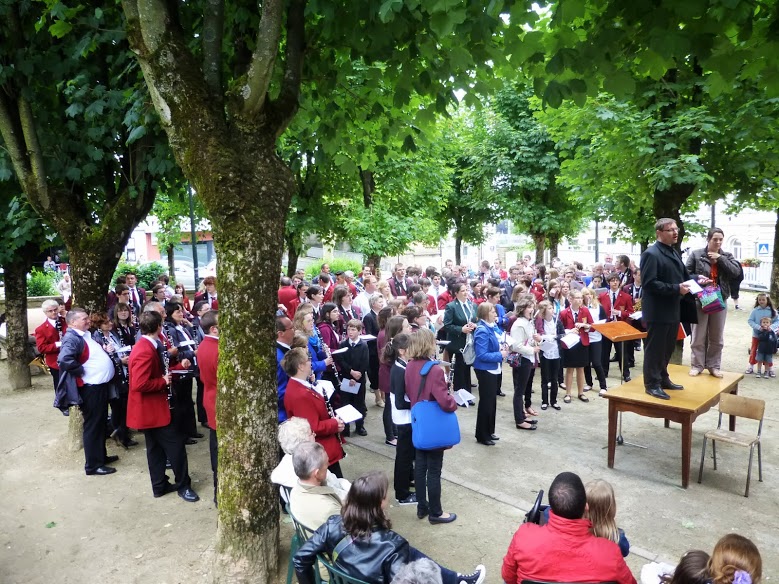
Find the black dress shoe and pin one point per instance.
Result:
(189, 495)
(494, 437)
(168, 465)
(190, 441)
(102, 470)
(657, 392)
(626, 378)
(110, 459)
(668, 384)
(442, 519)
(197, 435)
(421, 514)
(168, 488)
(486, 442)
(130, 442)
(361, 432)
(501, 394)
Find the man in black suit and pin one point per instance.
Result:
(371, 325)
(663, 273)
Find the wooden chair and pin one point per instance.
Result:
(336, 575)
(742, 407)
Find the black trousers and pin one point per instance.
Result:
(462, 373)
(427, 474)
(660, 343)
(201, 410)
(549, 371)
(213, 446)
(523, 383)
(386, 417)
(55, 377)
(162, 444)
(488, 397)
(627, 347)
(596, 363)
(119, 413)
(184, 412)
(354, 399)
(94, 408)
(405, 453)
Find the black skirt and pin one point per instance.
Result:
(577, 356)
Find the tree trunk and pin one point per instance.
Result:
(458, 244)
(554, 243)
(775, 268)
(19, 355)
(91, 271)
(375, 261)
(668, 203)
(171, 262)
(293, 255)
(540, 241)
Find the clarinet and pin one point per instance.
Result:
(58, 326)
(328, 405)
(166, 362)
(328, 354)
(450, 377)
(114, 357)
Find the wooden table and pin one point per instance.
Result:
(698, 396)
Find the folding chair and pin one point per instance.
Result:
(336, 575)
(742, 407)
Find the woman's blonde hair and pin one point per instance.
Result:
(732, 553)
(543, 307)
(421, 345)
(602, 509)
(594, 303)
(484, 309)
(300, 315)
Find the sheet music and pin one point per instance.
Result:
(348, 414)
(462, 397)
(636, 315)
(339, 351)
(570, 340)
(347, 387)
(692, 284)
(327, 386)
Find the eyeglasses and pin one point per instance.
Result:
(675, 229)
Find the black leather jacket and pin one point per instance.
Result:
(375, 560)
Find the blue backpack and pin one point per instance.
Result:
(431, 427)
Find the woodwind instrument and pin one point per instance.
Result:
(637, 304)
(328, 405)
(450, 377)
(166, 364)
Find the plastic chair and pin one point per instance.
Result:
(742, 407)
(301, 535)
(337, 576)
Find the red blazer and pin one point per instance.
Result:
(566, 317)
(287, 294)
(147, 403)
(204, 296)
(328, 294)
(443, 299)
(301, 402)
(46, 337)
(208, 360)
(624, 303)
(432, 305)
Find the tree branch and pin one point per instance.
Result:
(260, 71)
(213, 32)
(288, 100)
(37, 166)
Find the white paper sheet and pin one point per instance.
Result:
(570, 340)
(462, 397)
(692, 284)
(348, 387)
(368, 337)
(327, 386)
(186, 343)
(636, 315)
(348, 414)
(601, 321)
(125, 349)
(339, 351)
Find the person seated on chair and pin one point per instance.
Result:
(534, 552)
(312, 501)
(292, 433)
(362, 541)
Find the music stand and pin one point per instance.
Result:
(618, 331)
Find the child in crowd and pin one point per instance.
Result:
(354, 367)
(692, 569)
(766, 347)
(602, 512)
(763, 308)
(735, 560)
(405, 453)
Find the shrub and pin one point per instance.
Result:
(336, 265)
(147, 273)
(41, 283)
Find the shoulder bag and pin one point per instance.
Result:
(431, 427)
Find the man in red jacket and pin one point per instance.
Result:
(148, 410)
(564, 550)
(208, 360)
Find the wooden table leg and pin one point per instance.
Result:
(732, 419)
(612, 432)
(667, 423)
(686, 450)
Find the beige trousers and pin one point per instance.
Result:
(708, 340)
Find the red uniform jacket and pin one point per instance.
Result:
(208, 360)
(204, 296)
(534, 554)
(566, 317)
(287, 295)
(46, 337)
(302, 402)
(624, 303)
(432, 305)
(147, 403)
(443, 299)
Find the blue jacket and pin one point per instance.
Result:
(487, 347)
(281, 381)
(503, 320)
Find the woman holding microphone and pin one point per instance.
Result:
(489, 372)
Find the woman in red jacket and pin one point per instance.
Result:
(304, 400)
(576, 319)
(427, 471)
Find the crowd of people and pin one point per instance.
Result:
(413, 338)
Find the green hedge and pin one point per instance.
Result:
(147, 273)
(336, 265)
(41, 283)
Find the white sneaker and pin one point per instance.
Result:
(602, 392)
(476, 578)
(749, 370)
(771, 372)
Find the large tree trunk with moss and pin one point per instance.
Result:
(668, 203)
(293, 253)
(19, 355)
(91, 269)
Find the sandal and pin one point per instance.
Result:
(567, 399)
(583, 397)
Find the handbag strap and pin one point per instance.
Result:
(423, 372)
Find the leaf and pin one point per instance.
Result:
(59, 29)
(50, 524)
(137, 133)
(620, 84)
